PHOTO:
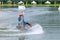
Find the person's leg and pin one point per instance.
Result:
(28, 24)
(24, 23)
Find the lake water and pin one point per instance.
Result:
(47, 17)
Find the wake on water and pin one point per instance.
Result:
(36, 29)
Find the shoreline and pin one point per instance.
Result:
(28, 5)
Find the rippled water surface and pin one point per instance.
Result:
(47, 17)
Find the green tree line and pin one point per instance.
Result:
(29, 1)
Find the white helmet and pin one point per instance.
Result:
(21, 8)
